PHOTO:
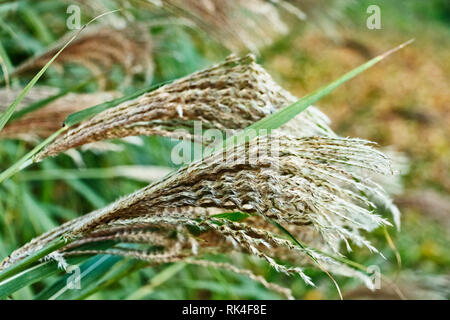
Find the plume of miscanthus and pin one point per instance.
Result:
(99, 48)
(303, 183)
(44, 121)
(230, 95)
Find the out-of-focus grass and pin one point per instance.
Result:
(403, 103)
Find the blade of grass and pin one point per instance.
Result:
(95, 173)
(112, 277)
(36, 272)
(36, 24)
(6, 65)
(71, 120)
(26, 262)
(295, 241)
(28, 277)
(43, 102)
(10, 110)
(25, 161)
(394, 249)
(283, 115)
(232, 216)
(156, 281)
(79, 116)
(89, 273)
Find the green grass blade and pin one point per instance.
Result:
(232, 216)
(157, 280)
(119, 272)
(79, 116)
(10, 110)
(26, 262)
(36, 272)
(36, 24)
(43, 102)
(25, 160)
(282, 116)
(28, 277)
(90, 271)
(5, 64)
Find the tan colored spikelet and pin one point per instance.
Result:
(99, 48)
(230, 95)
(311, 190)
(46, 120)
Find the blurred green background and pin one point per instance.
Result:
(403, 103)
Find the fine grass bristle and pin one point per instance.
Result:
(231, 95)
(310, 188)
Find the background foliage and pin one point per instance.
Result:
(403, 103)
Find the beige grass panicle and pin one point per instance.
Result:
(312, 191)
(230, 95)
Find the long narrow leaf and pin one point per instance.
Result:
(282, 116)
(79, 116)
(9, 112)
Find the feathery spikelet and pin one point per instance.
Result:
(305, 184)
(98, 49)
(46, 120)
(230, 95)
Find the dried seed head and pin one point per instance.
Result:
(230, 95)
(311, 190)
(309, 184)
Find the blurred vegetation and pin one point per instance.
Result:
(403, 103)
